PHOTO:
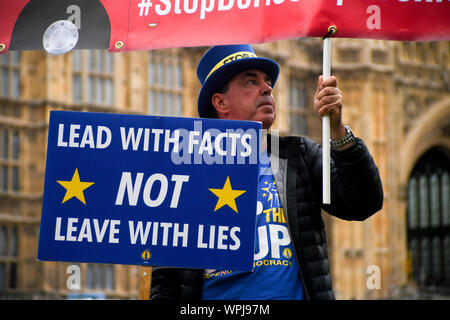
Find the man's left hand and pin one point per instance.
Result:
(328, 100)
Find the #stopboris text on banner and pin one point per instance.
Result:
(152, 24)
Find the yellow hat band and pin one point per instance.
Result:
(232, 57)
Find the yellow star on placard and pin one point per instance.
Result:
(227, 196)
(74, 188)
(270, 194)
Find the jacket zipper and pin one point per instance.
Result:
(305, 291)
(285, 212)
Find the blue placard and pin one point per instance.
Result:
(148, 190)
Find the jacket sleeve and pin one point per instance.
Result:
(356, 187)
(176, 284)
(165, 284)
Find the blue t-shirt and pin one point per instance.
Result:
(275, 275)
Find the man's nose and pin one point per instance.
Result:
(266, 89)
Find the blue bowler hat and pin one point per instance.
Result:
(220, 63)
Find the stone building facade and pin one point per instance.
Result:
(396, 97)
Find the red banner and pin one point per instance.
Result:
(152, 24)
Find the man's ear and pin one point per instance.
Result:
(218, 101)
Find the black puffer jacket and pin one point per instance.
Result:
(356, 194)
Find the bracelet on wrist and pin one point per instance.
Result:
(348, 138)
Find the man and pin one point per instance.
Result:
(291, 258)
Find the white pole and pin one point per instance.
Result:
(326, 71)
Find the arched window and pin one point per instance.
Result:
(9, 160)
(10, 75)
(429, 221)
(165, 83)
(8, 257)
(298, 106)
(93, 77)
(100, 277)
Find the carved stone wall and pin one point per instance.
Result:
(396, 97)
